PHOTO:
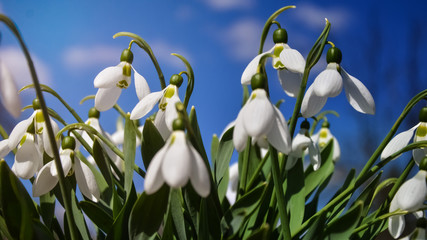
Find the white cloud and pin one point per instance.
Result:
(314, 16)
(15, 60)
(82, 57)
(162, 50)
(224, 5)
(242, 39)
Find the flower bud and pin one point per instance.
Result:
(258, 81)
(305, 124)
(178, 124)
(334, 55)
(127, 56)
(93, 113)
(423, 115)
(176, 80)
(68, 143)
(280, 36)
(423, 164)
(325, 124)
(36, 104)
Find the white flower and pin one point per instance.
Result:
(112, 80)
(8, 92)
(329, 83)
(176, 163)
(233, 181)
(323, 137)
(262, 121)
(118, 137)
(167, 98)
(419, 233)
(410, 197)
(402, 139)
(47, 177)
(289, 63)
(301, 142)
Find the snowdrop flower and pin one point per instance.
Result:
(410, 197)
(118, 137)
(167, 98)
(289, 63)
(233, 173)
(31, 140)
(8, 92)
(419, 232)
(93, 121)
(112, 80)
(330, 82)
(402, 139)
(48, 177)
(261, 120)
(300, 143)
(323, 137)
(176, 163)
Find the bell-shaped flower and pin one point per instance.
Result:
(176, 163)
(261, 120)
(112, 80)
(329, 83)
(289, 63)
(233, 181)
(48, 177)
(301, 142)
(167, 98)
(9, 92)
(323, 137)
(402, 139)
(118, 137)
(419, 232)
(93, 121)
(410, 197)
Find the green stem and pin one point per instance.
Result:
(278, 186)
(257, 171)
(66, 197)
(380, 218)
(245, 162)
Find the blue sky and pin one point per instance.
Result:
(71, 41)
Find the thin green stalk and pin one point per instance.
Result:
(278, 186)
(257, 171)
(244, 173)
(380, 218)
(66, 197)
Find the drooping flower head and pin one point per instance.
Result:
(289, 63)
(402, 139)
(261, 120)
(112, 80)
(176, 163)
(8, 92)
(329, 83)
(167, 98)
(48, 177)
(301, 142)
(322, 138)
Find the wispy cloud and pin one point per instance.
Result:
(16, 62)
(83, 57)
(225, 5)
(314, 16)
(163, 50)
(242, 39)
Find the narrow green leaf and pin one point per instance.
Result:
(367, 194)
(101, 162)
(47, 208)
(342, 227)
(350, 180)
(3, 229)
(40, 231)
(190, 75)
(175, 202)
(78, 217)
(214, 148)
(222, 163)
(148, 212)
(129, 148)
(319, 45)
(295, 195)
(262, 233)
(99, 216)
(120, 227)
(151, 142)
(315, 231)
(203, 232)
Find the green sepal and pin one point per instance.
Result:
(129, 148)
(147, 213)
(343, 227)
(102, 217)
(151, 142)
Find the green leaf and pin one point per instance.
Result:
(316, 229)
(340, 207)
(151, 142)
(129, 148)
(101, 162)
(295, 195)
(262, 233)
(100, 217)
(78, 217)
(319, 45)
(175, 202)
(190, 75)
(148, 212)
(368, 193)
(40, 231)
(214, 148)
(120, 228)
(47, 208)
(222, 162)
(342, 227)
(3, 229)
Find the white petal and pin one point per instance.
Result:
(396, 225)
(9, 92)
(251, 69)
(357, 94)
(160, 123)
(44, 181)
(311, 103)
(199, 175)
(66, 163)
(337, 151)
(419, 154)
(314, 153)
(258, 114)
(170, 112)
(293, 60)
(299, 144)
(86, 181)
(240, 136)
(398, 142)
(154, 178)
(412, 193)
(279, 136)
(27, 159)
(176, 166)
(105, 98)
(118, 137)
(141, 85)
(290, 81)
(4, 148)
(109, 77)
(19, 131)
(145, 105)
(329, 82)
(46, 142)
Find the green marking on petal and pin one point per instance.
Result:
(323, 133)
(122, 84)
(170, 91)
(23, 140)
(172, 139)
(277, 50)
(253, 96)
(278, 65)
(39, 117)
(127, 70)
(421, 131)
